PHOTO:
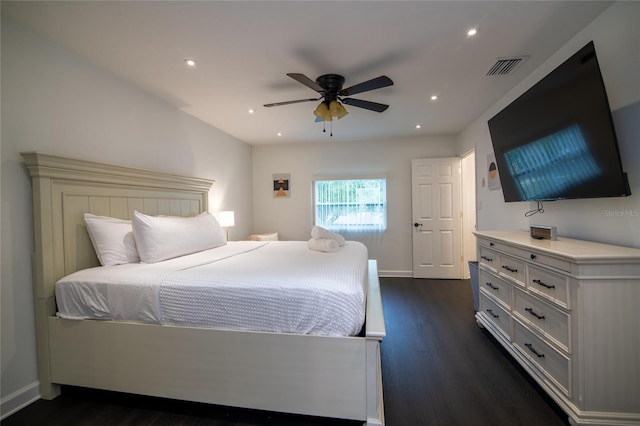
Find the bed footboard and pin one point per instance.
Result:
(375, 331)
(274, 372)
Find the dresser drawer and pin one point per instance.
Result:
(532, 256)
(512, 268)
(501, 318)
(541, 316)
(484, 242)
(488, 258)
(497, 287)
(549, 285)
(551, 362)
(543, 259)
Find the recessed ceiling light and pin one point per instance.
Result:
(434, 97)
(190, 62)
(472, 32)
(251, 111)
(279, 134)
(418, 126)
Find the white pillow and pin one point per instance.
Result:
(273, 236)
(269, 236)
(112, 239)
(161, 238)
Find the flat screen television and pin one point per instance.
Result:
(557, 140)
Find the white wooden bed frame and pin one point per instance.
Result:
(337, 377)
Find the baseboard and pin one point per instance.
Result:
(19, 399)
(396, 274)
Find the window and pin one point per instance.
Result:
(351, 205)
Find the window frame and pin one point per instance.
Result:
(371, 228)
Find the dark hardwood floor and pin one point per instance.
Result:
(438, 368)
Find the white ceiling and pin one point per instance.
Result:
(245, 49)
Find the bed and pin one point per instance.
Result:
(319, 374)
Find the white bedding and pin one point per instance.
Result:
(275, 286)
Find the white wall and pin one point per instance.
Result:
(616, 36)
(292, 217)
(54, 102)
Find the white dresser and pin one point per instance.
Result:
(569, 312)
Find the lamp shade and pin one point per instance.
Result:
(337, 110)
(322, 112)
(226, 218)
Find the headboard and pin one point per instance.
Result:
(65, 188)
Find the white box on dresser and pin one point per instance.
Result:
(569, 312)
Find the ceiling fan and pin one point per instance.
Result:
(330, 88)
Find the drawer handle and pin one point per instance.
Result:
(490, 244)
(492, 314)
(532, 349)
(533, 257)
(492, 286)
(532, 312)
(544, 284)
(488, 259)
(508, 268)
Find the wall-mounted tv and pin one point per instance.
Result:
(557, 140)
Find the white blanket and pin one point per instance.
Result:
(277, 286)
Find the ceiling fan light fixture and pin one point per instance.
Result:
(330, 87)
(337, 110)
(322, 112)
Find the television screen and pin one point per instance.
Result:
(557, 140)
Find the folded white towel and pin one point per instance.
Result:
(323, 244)
(319, 232)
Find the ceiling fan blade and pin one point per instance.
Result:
(375, 83)
(291, 102)
(373, 106)
(301, 78)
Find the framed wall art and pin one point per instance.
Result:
(281, 185)
(493, 178)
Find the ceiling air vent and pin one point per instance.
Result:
(504, 66)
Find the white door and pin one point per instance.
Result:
(436, 218)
